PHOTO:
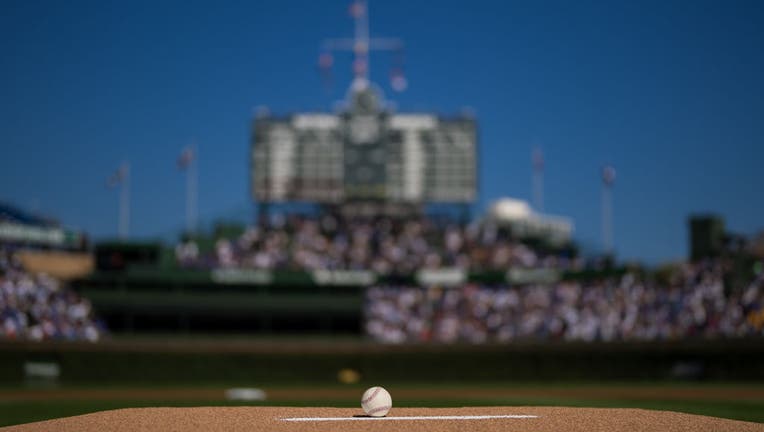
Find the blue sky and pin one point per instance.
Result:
(669, 92)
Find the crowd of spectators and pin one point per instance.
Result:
(385, 245)
(37, 307)
(692, 304)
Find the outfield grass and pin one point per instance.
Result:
(34, 405)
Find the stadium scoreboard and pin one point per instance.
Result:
(364, 153)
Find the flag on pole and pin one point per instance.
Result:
(538, 159)
(359, 67)
(325, 60)
(608, 175)
(186, 157)
(118, 177)
(357, 9)
(398, 80)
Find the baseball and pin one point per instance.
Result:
(376, 402)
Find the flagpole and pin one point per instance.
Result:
(608, 177)
(191, 191)
(607, 235)
(124, 202)
(538, 179)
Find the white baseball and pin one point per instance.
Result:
(376, 402)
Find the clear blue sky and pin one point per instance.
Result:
(669, 92)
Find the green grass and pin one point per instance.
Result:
(23, 411)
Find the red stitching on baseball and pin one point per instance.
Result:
(378, 409)
(371, 396)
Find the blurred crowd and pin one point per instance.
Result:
(385, 245)
(37, 307)
(692, 304)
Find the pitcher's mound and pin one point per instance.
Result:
(525, 419)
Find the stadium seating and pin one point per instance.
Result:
(36, 307)
(694, 304)
(383, 244)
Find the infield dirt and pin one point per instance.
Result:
(549, 419)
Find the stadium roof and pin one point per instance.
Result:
(14, 214)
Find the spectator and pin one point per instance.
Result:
(36, 307)
(383, 244)
(694, 305)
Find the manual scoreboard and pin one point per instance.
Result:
(364, 154)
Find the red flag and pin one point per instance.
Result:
(357, 9)
(325, 61)
(608, 175)
(186, 157)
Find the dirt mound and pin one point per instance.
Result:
(427, 419)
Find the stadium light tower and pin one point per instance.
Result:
(608, 178)
(537, 160)
(360, 45)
